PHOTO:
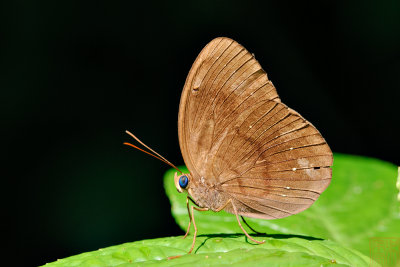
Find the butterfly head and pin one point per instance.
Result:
(182, 182)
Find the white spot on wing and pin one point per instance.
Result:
(305, 164)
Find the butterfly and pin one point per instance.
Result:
(247, 153)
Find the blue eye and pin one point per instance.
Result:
(183, 181)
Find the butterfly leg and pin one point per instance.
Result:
(241, 227)
(223, 206)
(190, 217)
(251, 228)
(194, 225)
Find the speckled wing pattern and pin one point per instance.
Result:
(235, 132)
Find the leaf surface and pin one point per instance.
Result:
(221, 250)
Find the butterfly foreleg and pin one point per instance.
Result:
(194, 225)
(189, 213)
(190, 216)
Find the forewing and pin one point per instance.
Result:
(222, 77)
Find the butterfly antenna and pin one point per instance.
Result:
(157, 156)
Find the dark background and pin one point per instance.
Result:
(74, 76)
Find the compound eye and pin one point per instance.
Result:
(183, 181)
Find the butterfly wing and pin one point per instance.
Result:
(235, 132)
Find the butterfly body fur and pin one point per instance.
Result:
(243, 147)
(205, 195)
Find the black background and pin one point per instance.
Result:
(74, 76)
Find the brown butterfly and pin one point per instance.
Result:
(247, 152)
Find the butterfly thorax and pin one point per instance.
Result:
(206, 196)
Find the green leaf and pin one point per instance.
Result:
(398, 184)
(360, 203)
(211, 250)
